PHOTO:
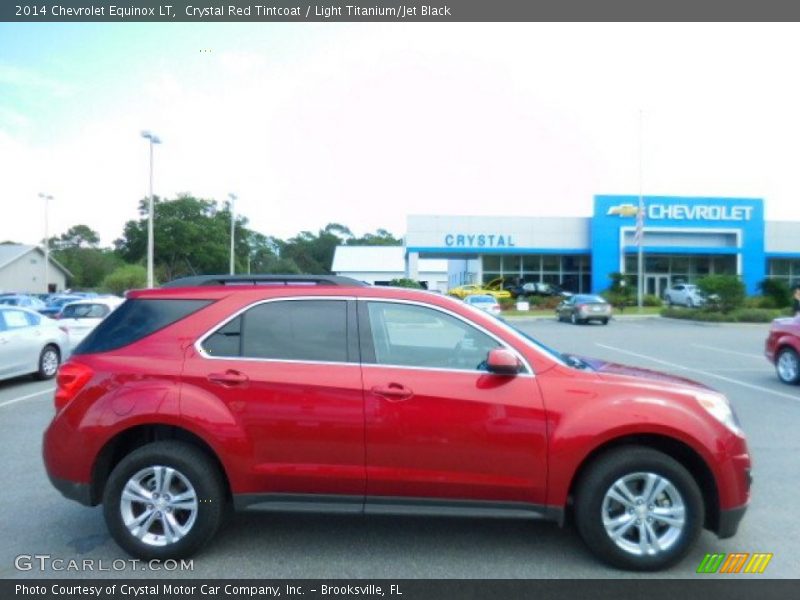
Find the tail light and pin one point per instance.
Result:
(581, 307)
(71, 378)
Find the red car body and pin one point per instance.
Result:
(374, 438)
(784, 337)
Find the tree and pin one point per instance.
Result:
(380, 238)
(77, 249)
(191, 236)
(777, 290)
(124, 278)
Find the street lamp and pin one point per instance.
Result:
(153, 139)
(233, 218)
(46, 198)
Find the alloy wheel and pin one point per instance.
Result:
(788, 367)
(159, 505)
(644, 514)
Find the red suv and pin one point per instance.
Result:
(293, 394)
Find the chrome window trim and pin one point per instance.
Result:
(529, 370)
(198, 345)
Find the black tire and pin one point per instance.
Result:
(48, 354)
(689, 303)
(193, 464)
(604, 321)
(573, 318)
(669, 301)
(598, 479)
(789, 355)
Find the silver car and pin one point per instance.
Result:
(685, 294)
(30, 343)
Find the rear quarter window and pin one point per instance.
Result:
(134, 320)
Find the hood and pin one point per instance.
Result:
(608, 368)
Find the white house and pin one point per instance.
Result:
(22, 270)
(380, 264)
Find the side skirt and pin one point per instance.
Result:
(387, 505)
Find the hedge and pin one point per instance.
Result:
(739, 315)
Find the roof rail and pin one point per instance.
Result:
(242, 280)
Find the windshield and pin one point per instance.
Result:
(480, 300)
(582, 298)
(85, 311)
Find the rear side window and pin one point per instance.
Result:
(136, 319)
(303, 330)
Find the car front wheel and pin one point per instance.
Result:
(788, 366)
(637, 508)
(164, 500)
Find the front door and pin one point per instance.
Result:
(439, 426)
(291, 381)
(656, 285)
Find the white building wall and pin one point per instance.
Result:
(26, 275)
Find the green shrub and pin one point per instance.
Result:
(124, 278)
(755, 315)
(507, 303)
(406, 283)
(777, 290)
(651, 300)
(723, 292)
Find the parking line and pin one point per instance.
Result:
(29, 396)
(701, 372)
(758, 356)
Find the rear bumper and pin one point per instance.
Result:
(80, 492)
(729, 521)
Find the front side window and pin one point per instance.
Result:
(303, 330)
(417, 336)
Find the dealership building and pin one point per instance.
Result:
(684, 238)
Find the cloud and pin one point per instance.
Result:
(19, 77)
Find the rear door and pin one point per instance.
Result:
(288, 371)
(439, 426)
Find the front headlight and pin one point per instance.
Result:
(720, 408)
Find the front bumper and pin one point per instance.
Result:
(729, 521)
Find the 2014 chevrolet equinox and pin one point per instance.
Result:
(277, 394)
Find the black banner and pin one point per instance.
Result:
(316, 589)
(398, 10)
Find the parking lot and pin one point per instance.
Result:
(37, 520)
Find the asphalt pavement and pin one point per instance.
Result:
(38, 521)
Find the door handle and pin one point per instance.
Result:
(393, 392)
(229, 377)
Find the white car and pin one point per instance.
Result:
(30, 343)
(78, 319)
(684, 294)
(484, 302)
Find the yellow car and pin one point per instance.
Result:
(463, 291)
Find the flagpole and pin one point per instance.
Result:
(640, 224)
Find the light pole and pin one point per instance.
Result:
(153, 139)
(46, 198)
(233, 218)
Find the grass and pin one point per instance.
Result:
(549, 312)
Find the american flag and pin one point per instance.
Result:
(639, 235)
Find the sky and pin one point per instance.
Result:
(363, 124)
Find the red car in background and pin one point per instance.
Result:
(782, 348)
(272, 393)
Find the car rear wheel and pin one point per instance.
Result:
(637, 508)
(49, 361)
(164, 500)
(573, 318)
(604, 321)
(788, 366)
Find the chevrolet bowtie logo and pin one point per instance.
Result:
(624, 210)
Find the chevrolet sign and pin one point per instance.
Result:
(686, 212)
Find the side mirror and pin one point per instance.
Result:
(502, 362)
